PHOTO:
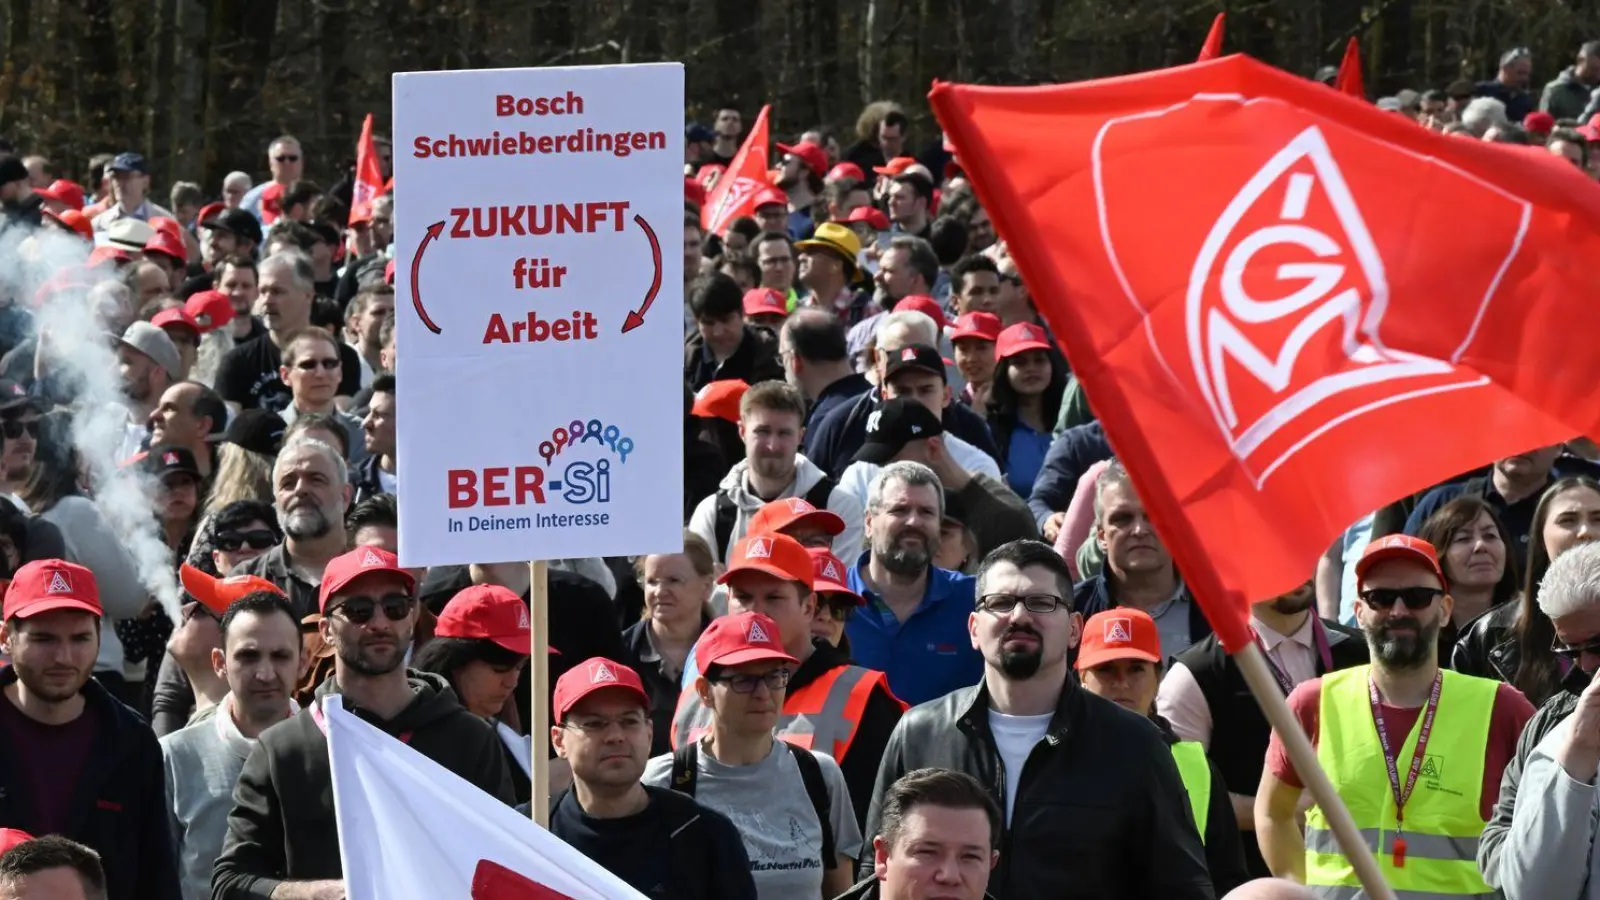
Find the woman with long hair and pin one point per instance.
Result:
(1513, 642)
(677, 599)
(1479, 571)
(241, 475)
(1024, 401)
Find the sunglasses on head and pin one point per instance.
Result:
(360, 610)
(1414, 598)
(310, 365)
(13, 428)
(259, 539)
(1572, 654)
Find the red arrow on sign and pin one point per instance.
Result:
(636, 318)
(434, 231)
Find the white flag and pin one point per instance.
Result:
(410, 828)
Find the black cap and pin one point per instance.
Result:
(130, 162)
(892, 426)
(14, 396)
(238, 222)
(12, 169)
(257, 430)
(915, 356)
(170, 459)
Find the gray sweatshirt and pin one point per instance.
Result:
(92, 544)
(202, 763)
(1547, 853)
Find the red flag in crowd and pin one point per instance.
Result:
(369, 176)
(734, 193)
(1349, 80)
(1213, 45)
(1305, 334)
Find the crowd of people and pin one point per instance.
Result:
(921, 641)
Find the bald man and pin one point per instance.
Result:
(1270, 889)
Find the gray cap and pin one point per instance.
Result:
(153, 342)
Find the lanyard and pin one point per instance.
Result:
(1319, 637)
(322, 724)
(1390, 759)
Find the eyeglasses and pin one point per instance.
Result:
(837, 611)
(310, 365)
(13, 428)
(1038, 604)
(776, 680)
(286, 158)
(1414, 598)
(359, 610)
(258, 539)
(596, 727)
(1572, 654)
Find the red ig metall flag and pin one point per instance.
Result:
(1288, 307)
(734, 192)
(369, 176)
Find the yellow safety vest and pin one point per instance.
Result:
(1442, 816)
(1195, 770)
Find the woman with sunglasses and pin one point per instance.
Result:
(480, 645)
(1024, 400)
(1514, 642)
(1479, 571)
(677, 598)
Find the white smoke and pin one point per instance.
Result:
(76, 349)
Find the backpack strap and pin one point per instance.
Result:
(817, 790)
(722, 526)
(820, 492)
(685, 768)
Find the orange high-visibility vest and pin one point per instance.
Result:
(823, 715)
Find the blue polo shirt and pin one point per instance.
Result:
(929, 654)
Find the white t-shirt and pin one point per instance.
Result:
(768, 804)
(1015, 737)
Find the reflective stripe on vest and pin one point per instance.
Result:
(824, 715)
(1442, 816)
(1195, 770)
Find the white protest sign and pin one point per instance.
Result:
(539, 304)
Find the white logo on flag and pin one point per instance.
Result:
(830, 571)
(758, 635)
(522, 618)
(370, 559)
(760, 548)
(59, 584)
(601, 673)
(1119, 631)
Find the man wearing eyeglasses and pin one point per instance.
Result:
(282, 838)
(1092, 801)
(313, 368)
(1415, 752)
(603, 729)
(287, 162)
(19, 426)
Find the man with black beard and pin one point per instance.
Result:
(1093, 803)
(283, 841)
(1205, 699)
(311, 488)
(913, 626)
(1415, 752)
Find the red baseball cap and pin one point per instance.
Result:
(1020, 338)
(271, 203)
(75, 220)
(1538, 122)
(814, 157)
(488, 612)
(1120, 633)
(924, 304)
(777, 555)
(596, 674)
(167, 245)
(770, 196)
(209, 309)
(343, 570)
(1399, 546)
(734, 640)
(45, 585)
(845, 170)
(694, 191)
(765, 301)
(720, 399)
(11, 837)
(217, 594)
(209, 210)
(981, 325)
(870, 215)
(63, 191)
(175, 316)
(787, 512)
(829, 576)
(895, 166)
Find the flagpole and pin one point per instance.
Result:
(539, 728)
(1270, 697)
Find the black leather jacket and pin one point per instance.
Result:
(1100, 810)
(1487, 646)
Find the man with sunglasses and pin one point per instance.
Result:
(1416, 752)
(282, 838)
(613, 819)
(312, 367)
(286, 160)
(19, 426)
(1092, 801)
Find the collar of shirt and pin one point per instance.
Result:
(1304, 635)
(940, 586)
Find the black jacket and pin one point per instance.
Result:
(282, 826)
(878, 720)
(1487, 646)
(1100, 810)
(121, 810)
(841, 433)
(364, 483)
(755, 360)
(868, 890)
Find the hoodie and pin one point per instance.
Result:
(847, 545)
(282, 826)
(1565, 97)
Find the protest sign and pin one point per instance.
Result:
(539, 302)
